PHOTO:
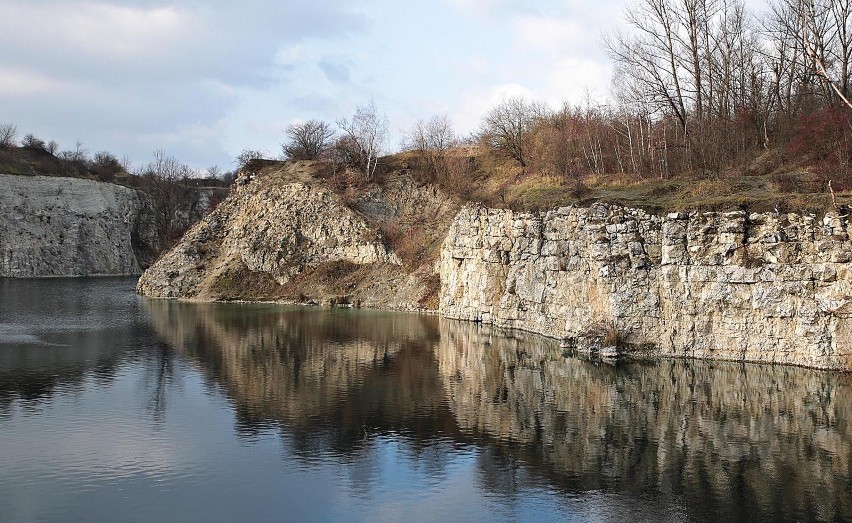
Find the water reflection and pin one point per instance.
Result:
(672, 439)
(331, 378)
(737, 441)
(55, 334)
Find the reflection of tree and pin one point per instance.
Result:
(160, 373)
(750, 441)
(774, 440)
(333, 380)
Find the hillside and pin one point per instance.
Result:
(771, 181)
(287, 232)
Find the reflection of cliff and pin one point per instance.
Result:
(776, 439)
(321, 373)
(55, 333)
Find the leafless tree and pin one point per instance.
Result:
(246, 156)
(366, 132)
(564, 135)
(175, 202)
(506, 127)
(827, 39)
(308, 140)
(8, 135)
(30, 141)
(431, 139)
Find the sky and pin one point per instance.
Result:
(203, 80)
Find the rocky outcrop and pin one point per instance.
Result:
(773, 288)
(274, 225)
(53, 226)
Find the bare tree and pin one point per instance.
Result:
(246, 156)
(30, 141)
(8, 135)
(175, 201)
(105, 166)
(564, 136)
(827, 39)
(652, 57)
(366, 133)
(506, 127)
(308, 140)
(431, 139)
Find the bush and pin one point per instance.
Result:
(31, 142)
(105, 166)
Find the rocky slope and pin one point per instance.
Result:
(53, 226)
(748, 287)
(283, 234)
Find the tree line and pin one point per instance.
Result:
(700, 87)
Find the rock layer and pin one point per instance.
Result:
(275, 224)
(771, 288)
(53, 226)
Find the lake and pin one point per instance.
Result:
(115, 407)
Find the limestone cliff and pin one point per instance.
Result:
(771, 288)
(284, 235)
(54, 226)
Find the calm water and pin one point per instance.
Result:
(117, 408)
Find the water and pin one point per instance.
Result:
(118, 408)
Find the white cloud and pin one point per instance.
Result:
(18, 82)
(207, 79)
(551, 34)
(120, 31)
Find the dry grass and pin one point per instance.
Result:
(238, 283)
(767, 184)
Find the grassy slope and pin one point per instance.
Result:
(764, 185)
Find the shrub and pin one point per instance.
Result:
(31, 142)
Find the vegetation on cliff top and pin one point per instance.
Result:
(714, 107)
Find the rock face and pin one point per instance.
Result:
(275, 224)
(52, 226)
(773, 288)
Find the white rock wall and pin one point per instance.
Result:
(54, 226)
(760, 287)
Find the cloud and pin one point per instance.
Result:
(335, 71)
(207, 79)
(19, 82)
(551, 34)
(119, 74)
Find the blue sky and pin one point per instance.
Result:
(205, 79)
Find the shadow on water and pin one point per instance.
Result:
(56, 335)
(729, 440)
